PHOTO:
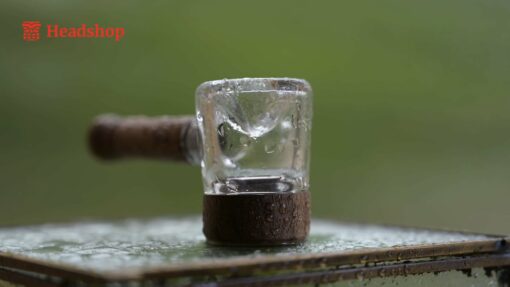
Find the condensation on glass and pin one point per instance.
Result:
(255, 135)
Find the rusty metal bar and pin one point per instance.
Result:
(322, 260)
(392, 270)
(25, 279)
(42, 267)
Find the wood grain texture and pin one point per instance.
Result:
(257, 219)
(114, 137)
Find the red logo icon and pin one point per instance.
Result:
(31, 30)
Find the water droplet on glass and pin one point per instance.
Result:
(270, 147)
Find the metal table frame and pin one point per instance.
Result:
(491, 254)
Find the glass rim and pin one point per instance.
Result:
(253, 85)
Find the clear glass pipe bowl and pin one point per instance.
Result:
(255, 135)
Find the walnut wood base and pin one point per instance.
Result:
(257, 219)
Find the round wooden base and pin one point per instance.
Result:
(257, 219)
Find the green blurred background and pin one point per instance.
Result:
(411, 119)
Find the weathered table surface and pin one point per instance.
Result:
(173, 251)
